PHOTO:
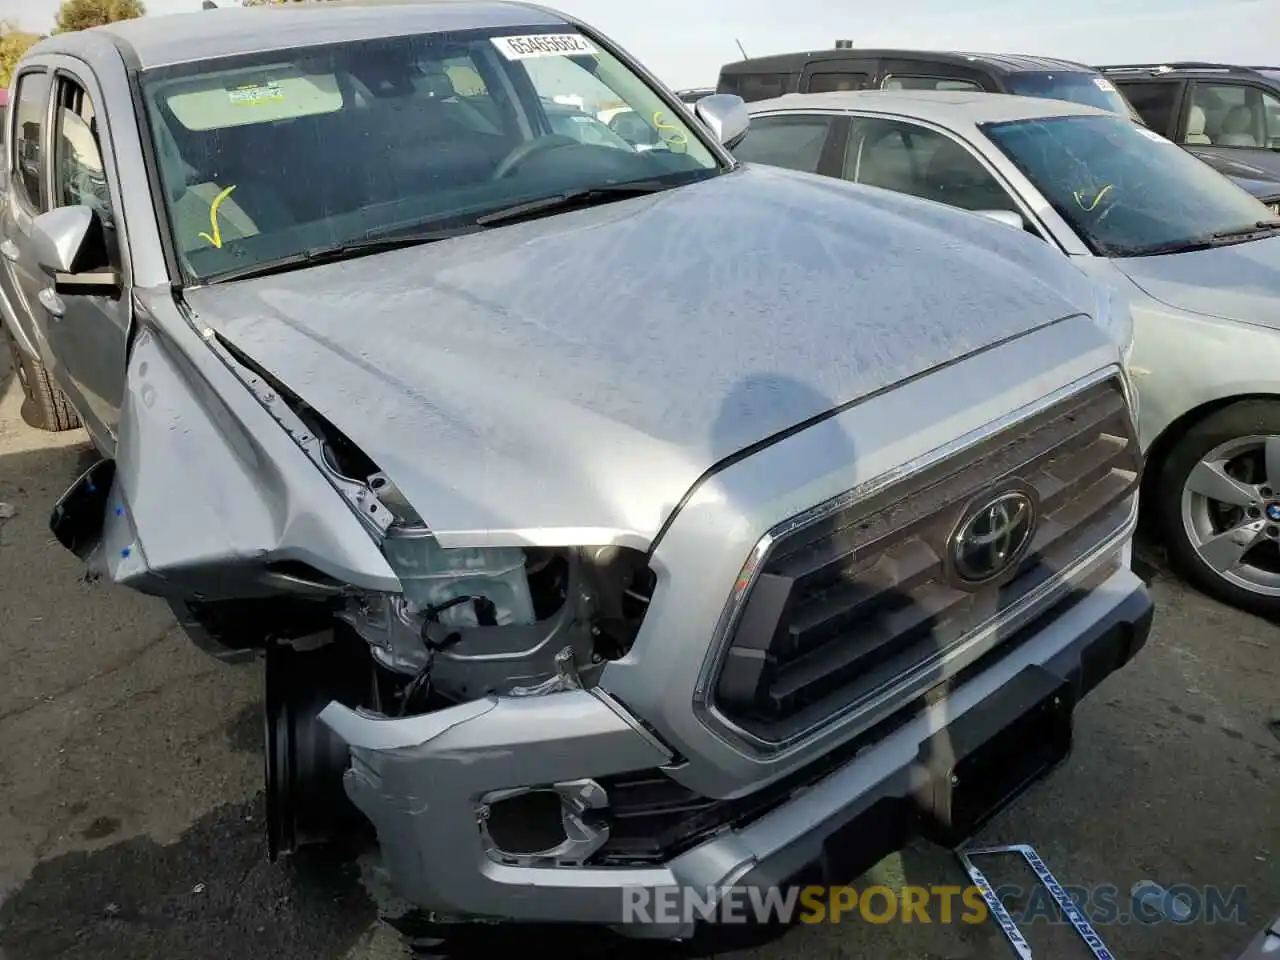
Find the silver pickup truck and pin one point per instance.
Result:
(608, 520)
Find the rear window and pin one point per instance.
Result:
(1155, 101)
(758, 86)
(1090, 89)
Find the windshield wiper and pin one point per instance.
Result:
(346, 250)
(1252, 230)
(1176, 246)
(1222, 238)
(586, 197)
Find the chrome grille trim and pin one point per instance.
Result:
(1091, 551)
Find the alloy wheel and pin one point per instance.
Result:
(1231, 512)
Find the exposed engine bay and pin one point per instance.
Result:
(470, 622)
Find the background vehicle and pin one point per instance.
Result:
(693, 95)
(1197, 258)
(849, 69)
(512, 454)
(1267, 190)
(1227, 115)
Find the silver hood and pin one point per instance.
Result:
(1236, 282)
(567, 380)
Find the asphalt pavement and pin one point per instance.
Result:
(131, 809)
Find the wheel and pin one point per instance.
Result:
(44, 406)
(1218, 506)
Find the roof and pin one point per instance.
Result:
(1003, 63)
(155, 41)
(946, 108)
(1183, 68)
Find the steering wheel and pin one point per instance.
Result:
(522, 151)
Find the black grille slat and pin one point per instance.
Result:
(908, 624)
(867, 592)
(848, 600)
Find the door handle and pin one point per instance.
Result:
(10, 251)
(52, 303)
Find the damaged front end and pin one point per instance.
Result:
(420, 636)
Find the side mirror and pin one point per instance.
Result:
(1008, 217)
(70, 246)
(725, 115)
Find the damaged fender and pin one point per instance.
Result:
(209, 497)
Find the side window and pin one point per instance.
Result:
(792, 142)
(29, 113)
(1271, 120)
(928, 83)
(79, 173)
(911, 159)
(1234, 115)
(1155, 104)
(829, 81)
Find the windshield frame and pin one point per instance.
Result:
(180, 274)
(990, 130)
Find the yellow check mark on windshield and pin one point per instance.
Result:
(1088, 207)
(676, 138)
(216, 237)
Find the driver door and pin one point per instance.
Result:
(20, 204)
(88, 332)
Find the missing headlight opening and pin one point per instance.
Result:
(509, 621)
(514, 622)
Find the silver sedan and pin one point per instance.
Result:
(1197, 258)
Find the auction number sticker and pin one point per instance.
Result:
(1103, 84)
(544, 45)
(256, 93)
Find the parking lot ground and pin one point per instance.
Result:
(130, 807)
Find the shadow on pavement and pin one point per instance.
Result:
(211, 894)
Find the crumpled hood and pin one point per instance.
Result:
(1236, 282)
(569, 379)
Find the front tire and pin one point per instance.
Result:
(1217, 503)
(44, 405)
(305, 760)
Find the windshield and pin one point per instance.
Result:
(1088, 88)
(1125, 189)
(274, 155)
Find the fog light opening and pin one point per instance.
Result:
(560, 824)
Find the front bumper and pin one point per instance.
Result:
(420, 780)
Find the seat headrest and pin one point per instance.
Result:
(1238, 120)
(1195, 121)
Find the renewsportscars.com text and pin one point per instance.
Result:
(1101, 905)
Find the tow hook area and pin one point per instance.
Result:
(79, 514)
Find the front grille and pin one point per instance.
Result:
(861, 593)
